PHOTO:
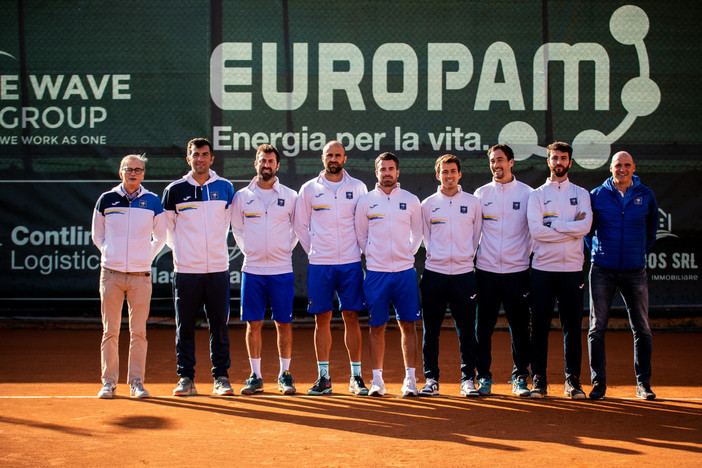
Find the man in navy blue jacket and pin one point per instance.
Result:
(625, 218)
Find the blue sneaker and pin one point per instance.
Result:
(286, 384)
(254, 384)
(520, 387)
(485, 386)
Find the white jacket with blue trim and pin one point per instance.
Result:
(451, 231)
(324, 220)
(389, 229)
(505, 244)
(198, 219)
(128, 234)
(557, 237)
(263, 233)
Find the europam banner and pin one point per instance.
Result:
(84, 83)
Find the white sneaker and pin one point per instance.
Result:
(409, 387)
(468, 388)
(431, 387)
(377, 388)
(136, 389)
(107, 390)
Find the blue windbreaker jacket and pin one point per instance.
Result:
(623, 228)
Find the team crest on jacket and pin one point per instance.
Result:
(638, 201)
(464, 209)
(214, 195)
(142, 203)
(573, 201)
(516, 205)
(281, 202)
(349, 195)
(403, 206)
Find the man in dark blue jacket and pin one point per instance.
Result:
(625, 218)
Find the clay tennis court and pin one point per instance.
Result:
(50, 416)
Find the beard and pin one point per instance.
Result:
(334, 168)
(560, 171)
(266, 176)
(388, 182)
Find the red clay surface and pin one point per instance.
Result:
(49, 414)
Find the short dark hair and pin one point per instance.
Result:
(387, 156)
(504, 148)
(447, 159)
(266, 148)
(560, 146)
(199, 143)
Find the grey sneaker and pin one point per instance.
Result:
(485, 386)
(520, 387)
(253, 384)
(357, 386)
(185, 387)
(286, 384)
(430, 388)
(107, 390)
(222, 386)
(643, 391)
(573, 389)
(137, 390)
(468, 388)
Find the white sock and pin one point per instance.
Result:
(409, 372)
(256, 367)
(284, 365)
(378, 374)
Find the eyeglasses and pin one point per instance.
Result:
(136, 170)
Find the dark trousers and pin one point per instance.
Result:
(546, 288)
(633, 286)
(512, 291)
(459, 293)
(190, 292)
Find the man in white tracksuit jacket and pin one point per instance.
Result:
(262, 224)
(324, 224)
(559, 217)
(451, 221)
(502, 269)
(389, 231)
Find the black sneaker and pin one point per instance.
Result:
(643, 391)
(357, 386)
(573, 388)
(598, 391)
(321, 387)
(538, 389)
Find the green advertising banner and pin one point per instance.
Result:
(84, 83)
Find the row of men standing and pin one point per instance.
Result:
(335, 219)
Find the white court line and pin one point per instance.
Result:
(322, 398)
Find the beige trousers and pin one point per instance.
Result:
(114, 286)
